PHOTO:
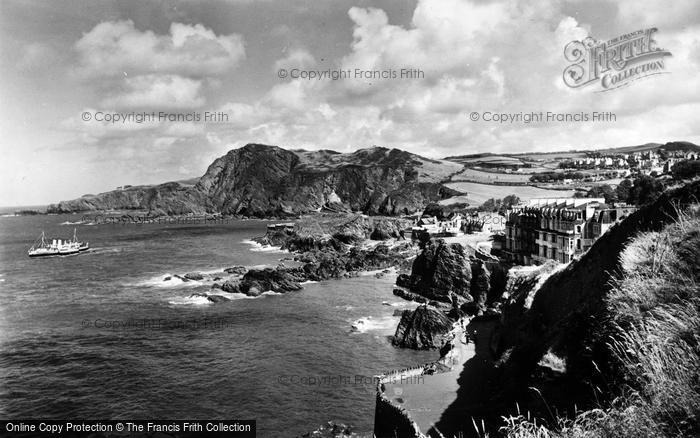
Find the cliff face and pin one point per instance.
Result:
(422, 329)
(440, 270)
(171, 198)
(259, 180)
(566, 316)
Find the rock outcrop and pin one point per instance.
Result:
(257, 281)
(567, 313)
(480, 285)
(422, 329)
(262, 181)
(385, 229)
(440, 270)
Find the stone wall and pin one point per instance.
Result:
(392, 421)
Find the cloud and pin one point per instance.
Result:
(296, 58)
(114, 47)
(501, 56)
(158, 92)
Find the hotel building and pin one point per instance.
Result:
(558, 229)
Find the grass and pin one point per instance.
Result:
(487, 177)
(654, 343)
(477, 194)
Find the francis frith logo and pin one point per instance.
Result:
(614, 63)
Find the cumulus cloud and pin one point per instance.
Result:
(159, 92)
(296, 58)
(500, 56)
(115, 47)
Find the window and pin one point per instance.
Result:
(578, 229)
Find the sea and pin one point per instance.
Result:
(101, 335)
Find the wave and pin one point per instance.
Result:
(160, 281)
(258, 247)
(367, 324)
(190, 301)
(391, 271)
(76, 223)
(230, 295)
(398, 303)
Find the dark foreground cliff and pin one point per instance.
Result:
(264, 181)
(609, 345)
(606, 346)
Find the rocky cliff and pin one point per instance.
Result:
(577, 335)
(260, 181)
(440, 271)
(422, 329)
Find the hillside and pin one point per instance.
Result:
(620, 322)
(532, 160)
(261, 181)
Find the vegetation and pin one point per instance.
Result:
(645, 190)
(654, 343)
(557, 176)
(500, 205)
(686, 169)
(602, 191)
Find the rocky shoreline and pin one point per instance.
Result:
(452, 283)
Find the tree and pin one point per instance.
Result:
(490, 205)
(645, 190)
(623, 190)
(686, 169)
(500, 205)
(603, 191)
(508, 202)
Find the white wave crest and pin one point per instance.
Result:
(257, 247)
(368, 324)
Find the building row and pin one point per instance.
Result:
(558, 229)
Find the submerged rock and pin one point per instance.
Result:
(236, 270)
(255, 281)
(194, 276)
(212, 298)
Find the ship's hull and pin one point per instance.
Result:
(43, 254)
(57, 247)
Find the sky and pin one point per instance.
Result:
(67, 67)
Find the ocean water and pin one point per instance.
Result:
(100, 335)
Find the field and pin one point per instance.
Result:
(551, 156)
(487, 159)
(477, 194)
(482, 176)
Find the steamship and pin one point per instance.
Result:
(57, 247)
